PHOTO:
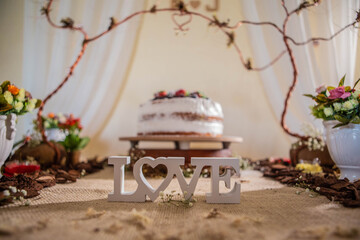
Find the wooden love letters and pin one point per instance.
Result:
(173, 169)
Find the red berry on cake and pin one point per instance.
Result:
(161, 94)
(180, 93)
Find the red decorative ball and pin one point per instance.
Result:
(180, 93)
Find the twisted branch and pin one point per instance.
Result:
(181, 10)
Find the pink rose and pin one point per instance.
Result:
(339, 92)
(321, 89)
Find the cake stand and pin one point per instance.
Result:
(182, 146)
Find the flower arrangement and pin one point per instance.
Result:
(69, 126)
(52, 120)
(337, 103)
(72, 128)
(15, 100)
(315, 140)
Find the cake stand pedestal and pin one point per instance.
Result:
(182, 146)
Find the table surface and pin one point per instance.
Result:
(181, 138)
(267, 210)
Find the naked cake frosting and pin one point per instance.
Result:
(180, 113)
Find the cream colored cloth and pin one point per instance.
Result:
(268, 210)
(94, 189)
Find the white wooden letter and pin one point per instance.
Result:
(215, 196)
(173, 169)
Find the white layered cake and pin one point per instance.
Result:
(181, 113)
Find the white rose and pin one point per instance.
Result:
(354, 102)
(21, 96)
(347, 105)
(46, 125)
(33, 101)
(31, 104)
(18, 106)
(8, 97)
(337, 106)
(30, 107)
(356, 94)
(328, 111)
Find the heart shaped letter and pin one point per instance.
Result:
(181, 20)
(195, 3)
(144, 186)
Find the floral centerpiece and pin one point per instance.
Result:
(337, 103)
(73, 143)
(314, 141)
(51, 125)
(52, 120)
(340, 110)
(310, 148)
(13, 102)
(64, 129)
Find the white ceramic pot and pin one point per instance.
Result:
(55, 134)
(344, 147)
(7, 135)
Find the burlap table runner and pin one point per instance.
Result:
(268, 210)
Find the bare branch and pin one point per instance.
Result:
(181, 10)
(47, 9)
(316, 39)
(304, 5)
(271, 24)
(285, 8)
(270, 63)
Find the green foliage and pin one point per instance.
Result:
(4, 106)
(321, 98)
(330, 88)
(38, 103)
(341, 83)
(4, 86)
(310, 96)
(356, 82)
(341, 118)
(74, 142)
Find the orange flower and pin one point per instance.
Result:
(13, 89)
(51, 115)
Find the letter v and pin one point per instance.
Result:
(190, 188)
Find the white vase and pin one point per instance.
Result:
(55, 134)
(7, 135)
(344, 147)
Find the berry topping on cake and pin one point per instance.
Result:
(180, 93)
(195, 95)
(161, 94)
(180, 112)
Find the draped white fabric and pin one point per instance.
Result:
(325, 63)
(95, 90)
(48, 52)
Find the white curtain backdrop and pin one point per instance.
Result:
(324, 63)
(95, 91)
(101, 75)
